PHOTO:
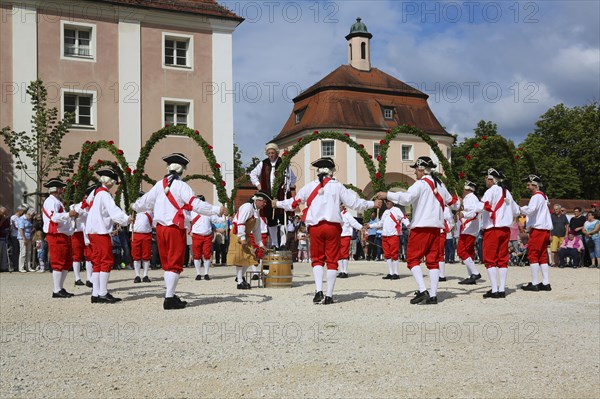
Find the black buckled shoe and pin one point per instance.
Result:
(432, 300)
(59, 294)
(340, 275)
(137, 279)
(179, 300)
(89, 284)
(530, 287)
(420, 297)
(477, 276)
(68, 294)
(243, 286)
(328, 300)
(146, 279)
(108, 298)
(501, 294)
(544, 287)
(387, 277)
(94, 299)
(173, 303)
(471, 280)
(79, 282)
(442, 279)
(395, 277)
(199, 277)
(207, 277)
(318, 297)
(491, 294)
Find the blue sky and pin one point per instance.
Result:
(504, 61)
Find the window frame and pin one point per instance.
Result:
(93, 109)
(178, 101)
(384, 109)
(298, 115)
(333, 148)
(178, 37)
(78, 26)
(411, 153)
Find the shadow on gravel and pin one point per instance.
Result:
(196, 300)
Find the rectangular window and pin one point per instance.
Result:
(77, 41)
(407, 152)
(176, 113)
(375, 150)
(177, 50)
(388, 113)
(298, 115)
(327, 148)
(82, 106)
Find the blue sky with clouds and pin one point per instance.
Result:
(504, 61)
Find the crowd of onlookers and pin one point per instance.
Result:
(575, 241)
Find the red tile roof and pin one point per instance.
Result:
(201, 7)
(348, 98)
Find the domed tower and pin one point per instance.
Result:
(359, 46)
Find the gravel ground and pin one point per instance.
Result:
(275, 343)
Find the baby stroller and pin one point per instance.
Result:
(518, 255)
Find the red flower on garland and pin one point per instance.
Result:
(461, 175)
(476, 145)
(218, 166)
(285, 153)
(75, 184)
(146, 174)
(135, 171)
(99, 161)
(378, 175)
(111, 142)
(388, 131)
(210, 147)
(517, 157)
(300, 139)
(520, 148)
(361, 145)
(379, 157)
(167, 125)
(223, 183)
(346, 134)
(316, 132)
(115, 162)
(197, 132)
(484, 137)
(382, 142)
(468, 157)
(128, 170)
(120, 152)
(90, 168)
(68, 180)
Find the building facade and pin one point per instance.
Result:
(364, 102)
(125, 68)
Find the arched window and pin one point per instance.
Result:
(350, 51)
(363, 51)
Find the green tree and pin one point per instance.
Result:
(253, 162)
(238, 169)
(564, 148)
(487, 149)
(42, 146)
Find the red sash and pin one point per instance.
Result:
(96, 191)
(435, 192)
(52, 226)
(179, 218)
(149, 217)
(85, 205)
(312, 196)
(398, 228)
(488, 207)
(542, 194)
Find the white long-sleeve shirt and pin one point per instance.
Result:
(505, 214)
(255, 176)
(142, 223)
(82, 218)
(202, 225)
(54, 208)
(156, 200)
(537, 212)
(349, 224)
(326, 206)
(103, 213)
(388, 225)
(470, 205)
(248, 211)
(427, 211)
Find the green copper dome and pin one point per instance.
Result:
(358, 29)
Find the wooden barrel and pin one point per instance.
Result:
(280, 269)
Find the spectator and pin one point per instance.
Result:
(571, 247)
(559, 231)
(220, 244)
(13, 243)
(4, 236)
(302, 238)
(25, 233)
(371, 237)
(595, 211)
(577, 224)
(449, 245)
(41, 249)
(404, 238)
(591, 231)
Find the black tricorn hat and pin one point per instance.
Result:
(494, 173)
(324, 162)
(108, 173)
(201, 197)
(424, 162)
(533, 179)
(177, 158)
(55, 182)
(262, 196)
(90, 188)
(469, 185)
